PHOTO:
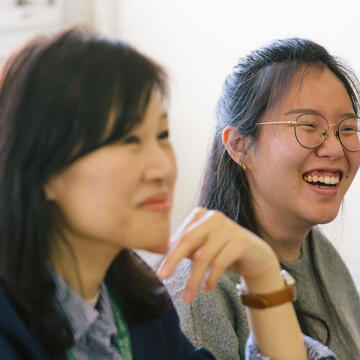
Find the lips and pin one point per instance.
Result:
(157, 203)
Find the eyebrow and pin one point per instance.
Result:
(313, 111)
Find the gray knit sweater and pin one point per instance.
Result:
(217, 320)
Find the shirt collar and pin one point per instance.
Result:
(81, 315)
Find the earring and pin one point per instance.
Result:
(242, 165)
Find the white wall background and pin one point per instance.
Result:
(199, 41)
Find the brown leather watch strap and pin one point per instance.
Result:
(261, 301)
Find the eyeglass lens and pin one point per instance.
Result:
(311, 129)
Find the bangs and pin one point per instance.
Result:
(275, 79)
(123, 119)
(105, 87)
(120, 115)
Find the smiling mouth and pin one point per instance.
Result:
(323, 179)
(157, 203)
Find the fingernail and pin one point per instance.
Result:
(206, 288)
(187, 295)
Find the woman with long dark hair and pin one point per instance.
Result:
(285, 151)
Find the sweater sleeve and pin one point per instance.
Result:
(215, 320)
(314, 349)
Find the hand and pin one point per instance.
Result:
(215, 243)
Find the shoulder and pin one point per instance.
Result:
(140, 293)
(16, 338)
(162, 338)
(9, 319)
(7, 350)
(333, 269)
(325, 253)
(323, 248)
(7, 347)
(320, 238)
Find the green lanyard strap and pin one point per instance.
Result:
(123, 336)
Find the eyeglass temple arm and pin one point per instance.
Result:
(277, 122)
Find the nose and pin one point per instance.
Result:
(160, 163)
(331, 146)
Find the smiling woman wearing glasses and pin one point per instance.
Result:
(285, 151)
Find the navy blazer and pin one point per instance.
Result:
(157, 339)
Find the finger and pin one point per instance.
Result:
(231, 253)
(188, 242)
(201, 260)
(193, 216)
(191, 239)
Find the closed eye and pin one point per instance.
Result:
(164, 135)
(307, 125)
(131, 139)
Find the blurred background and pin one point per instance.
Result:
(198, 42)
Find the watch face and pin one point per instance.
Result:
(240, 289)
(295, 294)
(289, 279)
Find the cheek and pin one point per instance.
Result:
(147, 233)
(95, 199)
(169, 154)
(354, 163)
(174, 171)
(277, 166)
(274, 155)
(354, 160)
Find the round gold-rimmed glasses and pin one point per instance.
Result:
(311, 130)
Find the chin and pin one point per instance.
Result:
(158, 245)
(324, 217)
(157, 249)
(161, 250)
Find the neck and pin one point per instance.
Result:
(283, 234)
(83, 264)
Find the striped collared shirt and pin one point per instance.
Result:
(93, 328)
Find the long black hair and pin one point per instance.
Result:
(56, 96)
(256, 84)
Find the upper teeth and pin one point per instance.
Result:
(326, 179)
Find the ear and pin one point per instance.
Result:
(235, 145)
(49, 190)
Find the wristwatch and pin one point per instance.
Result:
(262, 301)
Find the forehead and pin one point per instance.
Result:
(317, 89)
(154, 115)
(156, 107)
